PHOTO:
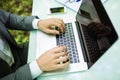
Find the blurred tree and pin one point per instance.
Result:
(19, 7)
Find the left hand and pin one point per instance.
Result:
(48, 24)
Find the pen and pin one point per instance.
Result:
(74, 0)
(77, 0)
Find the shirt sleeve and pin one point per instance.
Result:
(34, 23)
(35, 69)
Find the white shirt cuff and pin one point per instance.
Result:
(34, 23)
(35, 69)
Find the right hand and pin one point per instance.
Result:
(47, 25)
(50, 60)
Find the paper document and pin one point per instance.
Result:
(71, 4)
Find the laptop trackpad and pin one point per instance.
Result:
(44, 42)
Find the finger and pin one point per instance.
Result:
(63, 24)
(52, 31)
(59, 49)
(60, 25)
(61, 54)
(63, 65)
(62, 28)
(62, 59)
(58, 20)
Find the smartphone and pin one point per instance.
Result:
(53, 10)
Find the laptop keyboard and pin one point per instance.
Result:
(67, 39)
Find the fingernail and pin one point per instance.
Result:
(58, 32)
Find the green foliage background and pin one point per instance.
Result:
(19, 7)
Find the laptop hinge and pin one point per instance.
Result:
(81, 42)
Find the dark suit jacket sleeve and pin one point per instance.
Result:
(13, 21)
(23, 73)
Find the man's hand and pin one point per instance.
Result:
(48, 25)
(51, 60)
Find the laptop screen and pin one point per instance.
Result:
(97, 33)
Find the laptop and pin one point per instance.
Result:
(84, 47)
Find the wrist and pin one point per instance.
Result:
(39, 23)
(35, 69)
(39, 64)
(35, 23)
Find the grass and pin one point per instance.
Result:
(19, 7)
